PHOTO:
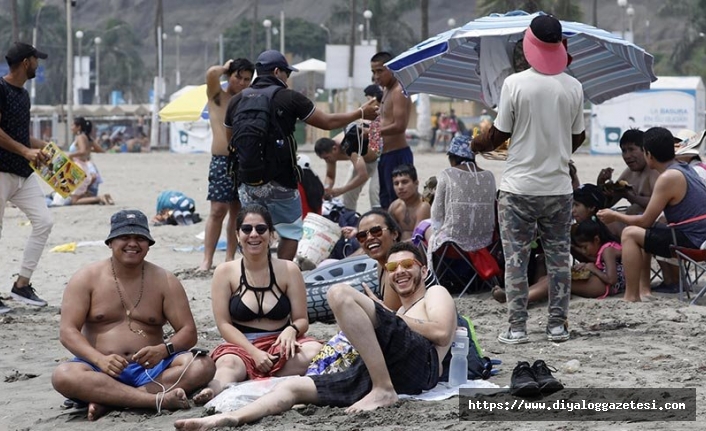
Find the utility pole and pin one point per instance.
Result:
(351, 57)
(253, 29)
(423, 102)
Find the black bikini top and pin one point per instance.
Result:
(241, 312)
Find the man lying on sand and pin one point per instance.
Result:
(112, 315)
(399, 352)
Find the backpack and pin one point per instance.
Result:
(254, 144)
(479, 366)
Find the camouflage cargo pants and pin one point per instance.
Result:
(521, 218)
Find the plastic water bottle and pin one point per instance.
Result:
(458, 371)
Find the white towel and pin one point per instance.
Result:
(238, 395)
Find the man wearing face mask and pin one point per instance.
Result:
(17, 150)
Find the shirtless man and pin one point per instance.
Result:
(394, 116)
(637, 174)
(345, 147)
(408, 210)
(222, 190)
(112, 316)
(399, 352)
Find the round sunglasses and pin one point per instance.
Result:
(375, 231)
(404, 263)
(259, 228)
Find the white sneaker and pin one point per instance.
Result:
(513, 337)
(4, 308)
(558, 333)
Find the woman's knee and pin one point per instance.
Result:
(631, 233)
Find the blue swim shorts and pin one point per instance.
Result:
(136, 375)
(221, 184)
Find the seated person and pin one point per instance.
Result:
(114, 327)
(598, 278)
(400, 352)
(259, 304)
(638, 175)
(348, 147)
(464, 203)
(588, 199)
(641, 179)
(680, 193)
(408, 210)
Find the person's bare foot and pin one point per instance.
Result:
(205, 266)
(499, 294)
(375, 398)
(204, 396)
(108, 199)
(96, 411)
(175, 400)
(631, 298)
(207, 423)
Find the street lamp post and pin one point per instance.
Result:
(69, 71)
(630, 11)
(79, 87)
(622, 4)
(178, 29)
(367, 14)
(328, 32)
(361, 30)
(97, 92)
(268, 33)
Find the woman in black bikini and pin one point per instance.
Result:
(259, 304)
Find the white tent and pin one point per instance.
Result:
(311, 65)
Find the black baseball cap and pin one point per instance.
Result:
(19, 51)
(271, 59)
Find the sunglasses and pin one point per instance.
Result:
(375, 231)
(259, 228)
(404, 263)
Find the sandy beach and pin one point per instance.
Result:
(651, 345)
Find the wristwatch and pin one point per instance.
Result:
(170, 347)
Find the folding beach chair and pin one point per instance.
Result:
(692, 264)
(458, 267)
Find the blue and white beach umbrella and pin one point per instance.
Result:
(471, 62)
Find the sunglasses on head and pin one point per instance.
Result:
(375, 231)
(259, 228)
(404, 263)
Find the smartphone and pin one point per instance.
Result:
(196, 351)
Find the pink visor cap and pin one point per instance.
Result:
(543, 46)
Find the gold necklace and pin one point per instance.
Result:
(122, 301)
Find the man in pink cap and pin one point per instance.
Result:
(541, 108)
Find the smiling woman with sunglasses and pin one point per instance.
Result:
(377, 232)
(259, 304)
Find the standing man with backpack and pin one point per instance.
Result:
(222, 187)
(17, 182)
(260, 124)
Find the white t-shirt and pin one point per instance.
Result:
(541, 112)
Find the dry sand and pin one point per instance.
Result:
(654, 344)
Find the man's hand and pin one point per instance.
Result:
(36, 156)
(226, 65)
(370, 109)
(349, 232)
(264, 361)
(288, 341)
(374, 297)
(112, 365)
(607, 216)
(150, 356)
(605, 175)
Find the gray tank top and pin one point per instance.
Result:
(693, 205)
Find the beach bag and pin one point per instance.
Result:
(256, 141)
(344, 247)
